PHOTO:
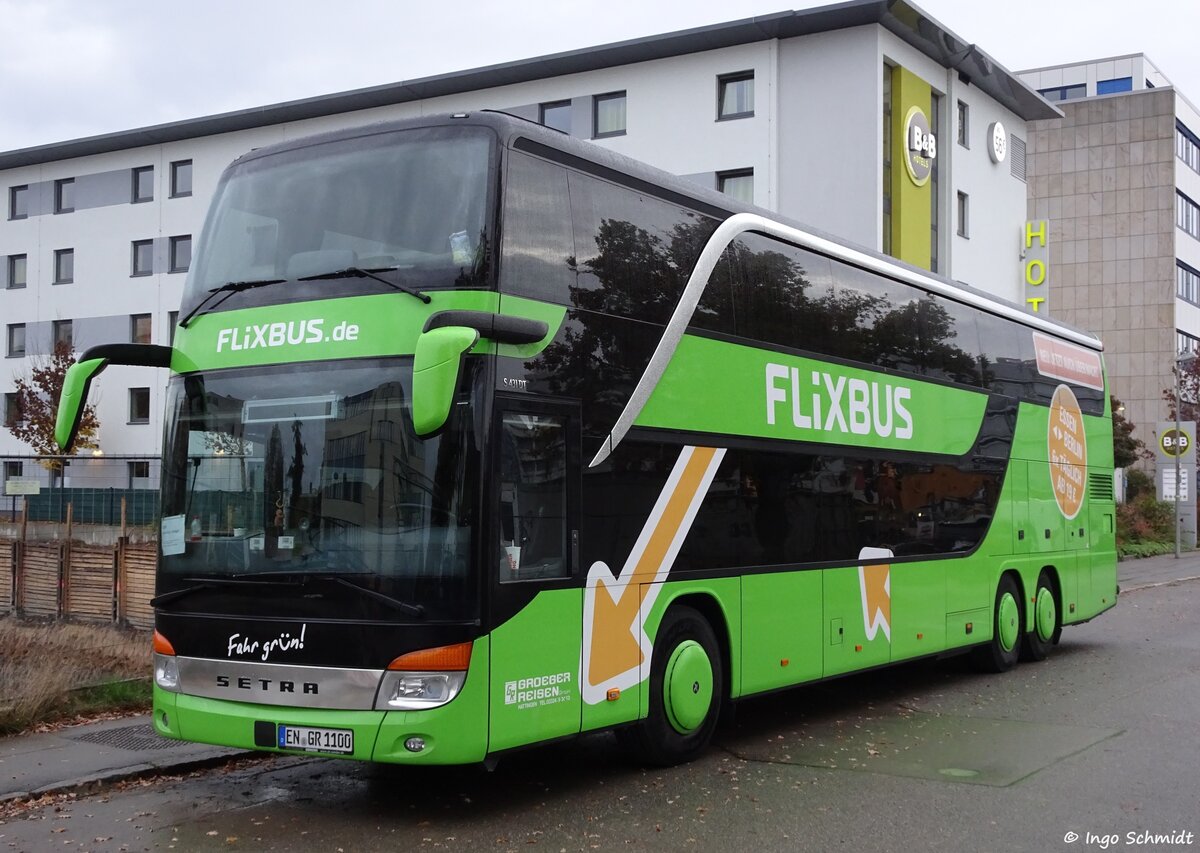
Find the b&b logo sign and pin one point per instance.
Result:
(920, 146)
(1175, 442)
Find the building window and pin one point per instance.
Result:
(143, 185)
(18, 202)
(181, 253)
(935, 210)
(1187, 214)
(885, 242)
(1112, 87)
(139, 405)
(608, 115)
(139, 328)
(963, 212)
(735, 95)
(556, 114)
(64, 195)
(1187, 147)
(64, 334)
(12, 415)
(64, 266)
(1185, 343)
(17, 271)
(143, 257)
(1187, 283)
(172, 322)
(1064, 93)
(181, 178)
(738, 184)
(16, 340)
(139, 469)
(964, 122)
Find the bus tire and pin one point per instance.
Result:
(1047, 620)
(686, 688)
(1004, 649)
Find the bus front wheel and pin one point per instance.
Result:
(1008, 614)
(686, 686)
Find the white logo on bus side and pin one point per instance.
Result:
(291, 333)
(835, 403)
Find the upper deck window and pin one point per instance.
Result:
(412, 201)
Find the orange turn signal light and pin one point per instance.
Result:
(441, 659)
(162, 645)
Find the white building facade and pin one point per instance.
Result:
(797, 112)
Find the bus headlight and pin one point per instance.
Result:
(417, 690)
(424, 679)
(166, 672)
(166, 666)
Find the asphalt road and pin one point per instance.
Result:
(1101, 739)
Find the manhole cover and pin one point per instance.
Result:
(139, 737)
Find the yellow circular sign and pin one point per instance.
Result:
(1066, 444)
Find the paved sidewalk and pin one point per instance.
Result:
(1152, 571)
(91, 754)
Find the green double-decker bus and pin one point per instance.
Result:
(479, 436)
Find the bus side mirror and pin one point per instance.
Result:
(437, 364)
(80, 375)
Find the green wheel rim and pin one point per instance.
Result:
(688, 687)
(1008, 616)
(1045, 614)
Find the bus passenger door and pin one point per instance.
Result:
(535, 595)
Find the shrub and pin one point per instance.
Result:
(1137, 483)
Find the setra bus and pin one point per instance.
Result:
(479, 436)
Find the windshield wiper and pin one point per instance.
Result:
(284, 578)
(228, 288)
(292, 578)
(202, 584)
(358, 272)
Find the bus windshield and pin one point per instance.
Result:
(295, 473)
(412, 201)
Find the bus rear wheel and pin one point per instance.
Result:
(1008, 614)
(686, 686)
(1046, 621)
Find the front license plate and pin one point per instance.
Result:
(316, 740)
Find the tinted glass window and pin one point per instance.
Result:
(783, 295)
(865, 303)
(1007, 356)
(634, 253)
(773, 508)
(949, 340)
(539, 250)
(416, 201)
(533, 497)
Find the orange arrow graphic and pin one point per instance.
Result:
(875, 583)
(616, 631)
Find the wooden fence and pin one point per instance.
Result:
(93, 583)
(69, 579)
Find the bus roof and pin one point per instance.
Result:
(515, 131)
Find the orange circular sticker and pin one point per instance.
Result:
(1067, 446)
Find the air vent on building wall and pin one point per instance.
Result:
(1016, 156)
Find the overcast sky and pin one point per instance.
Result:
(73, 68)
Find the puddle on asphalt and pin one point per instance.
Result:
(949, 748)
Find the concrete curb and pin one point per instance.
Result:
(1159, 583)
(91, 784)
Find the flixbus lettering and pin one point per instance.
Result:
(271, 335)
(823, 401)
(291, 333)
